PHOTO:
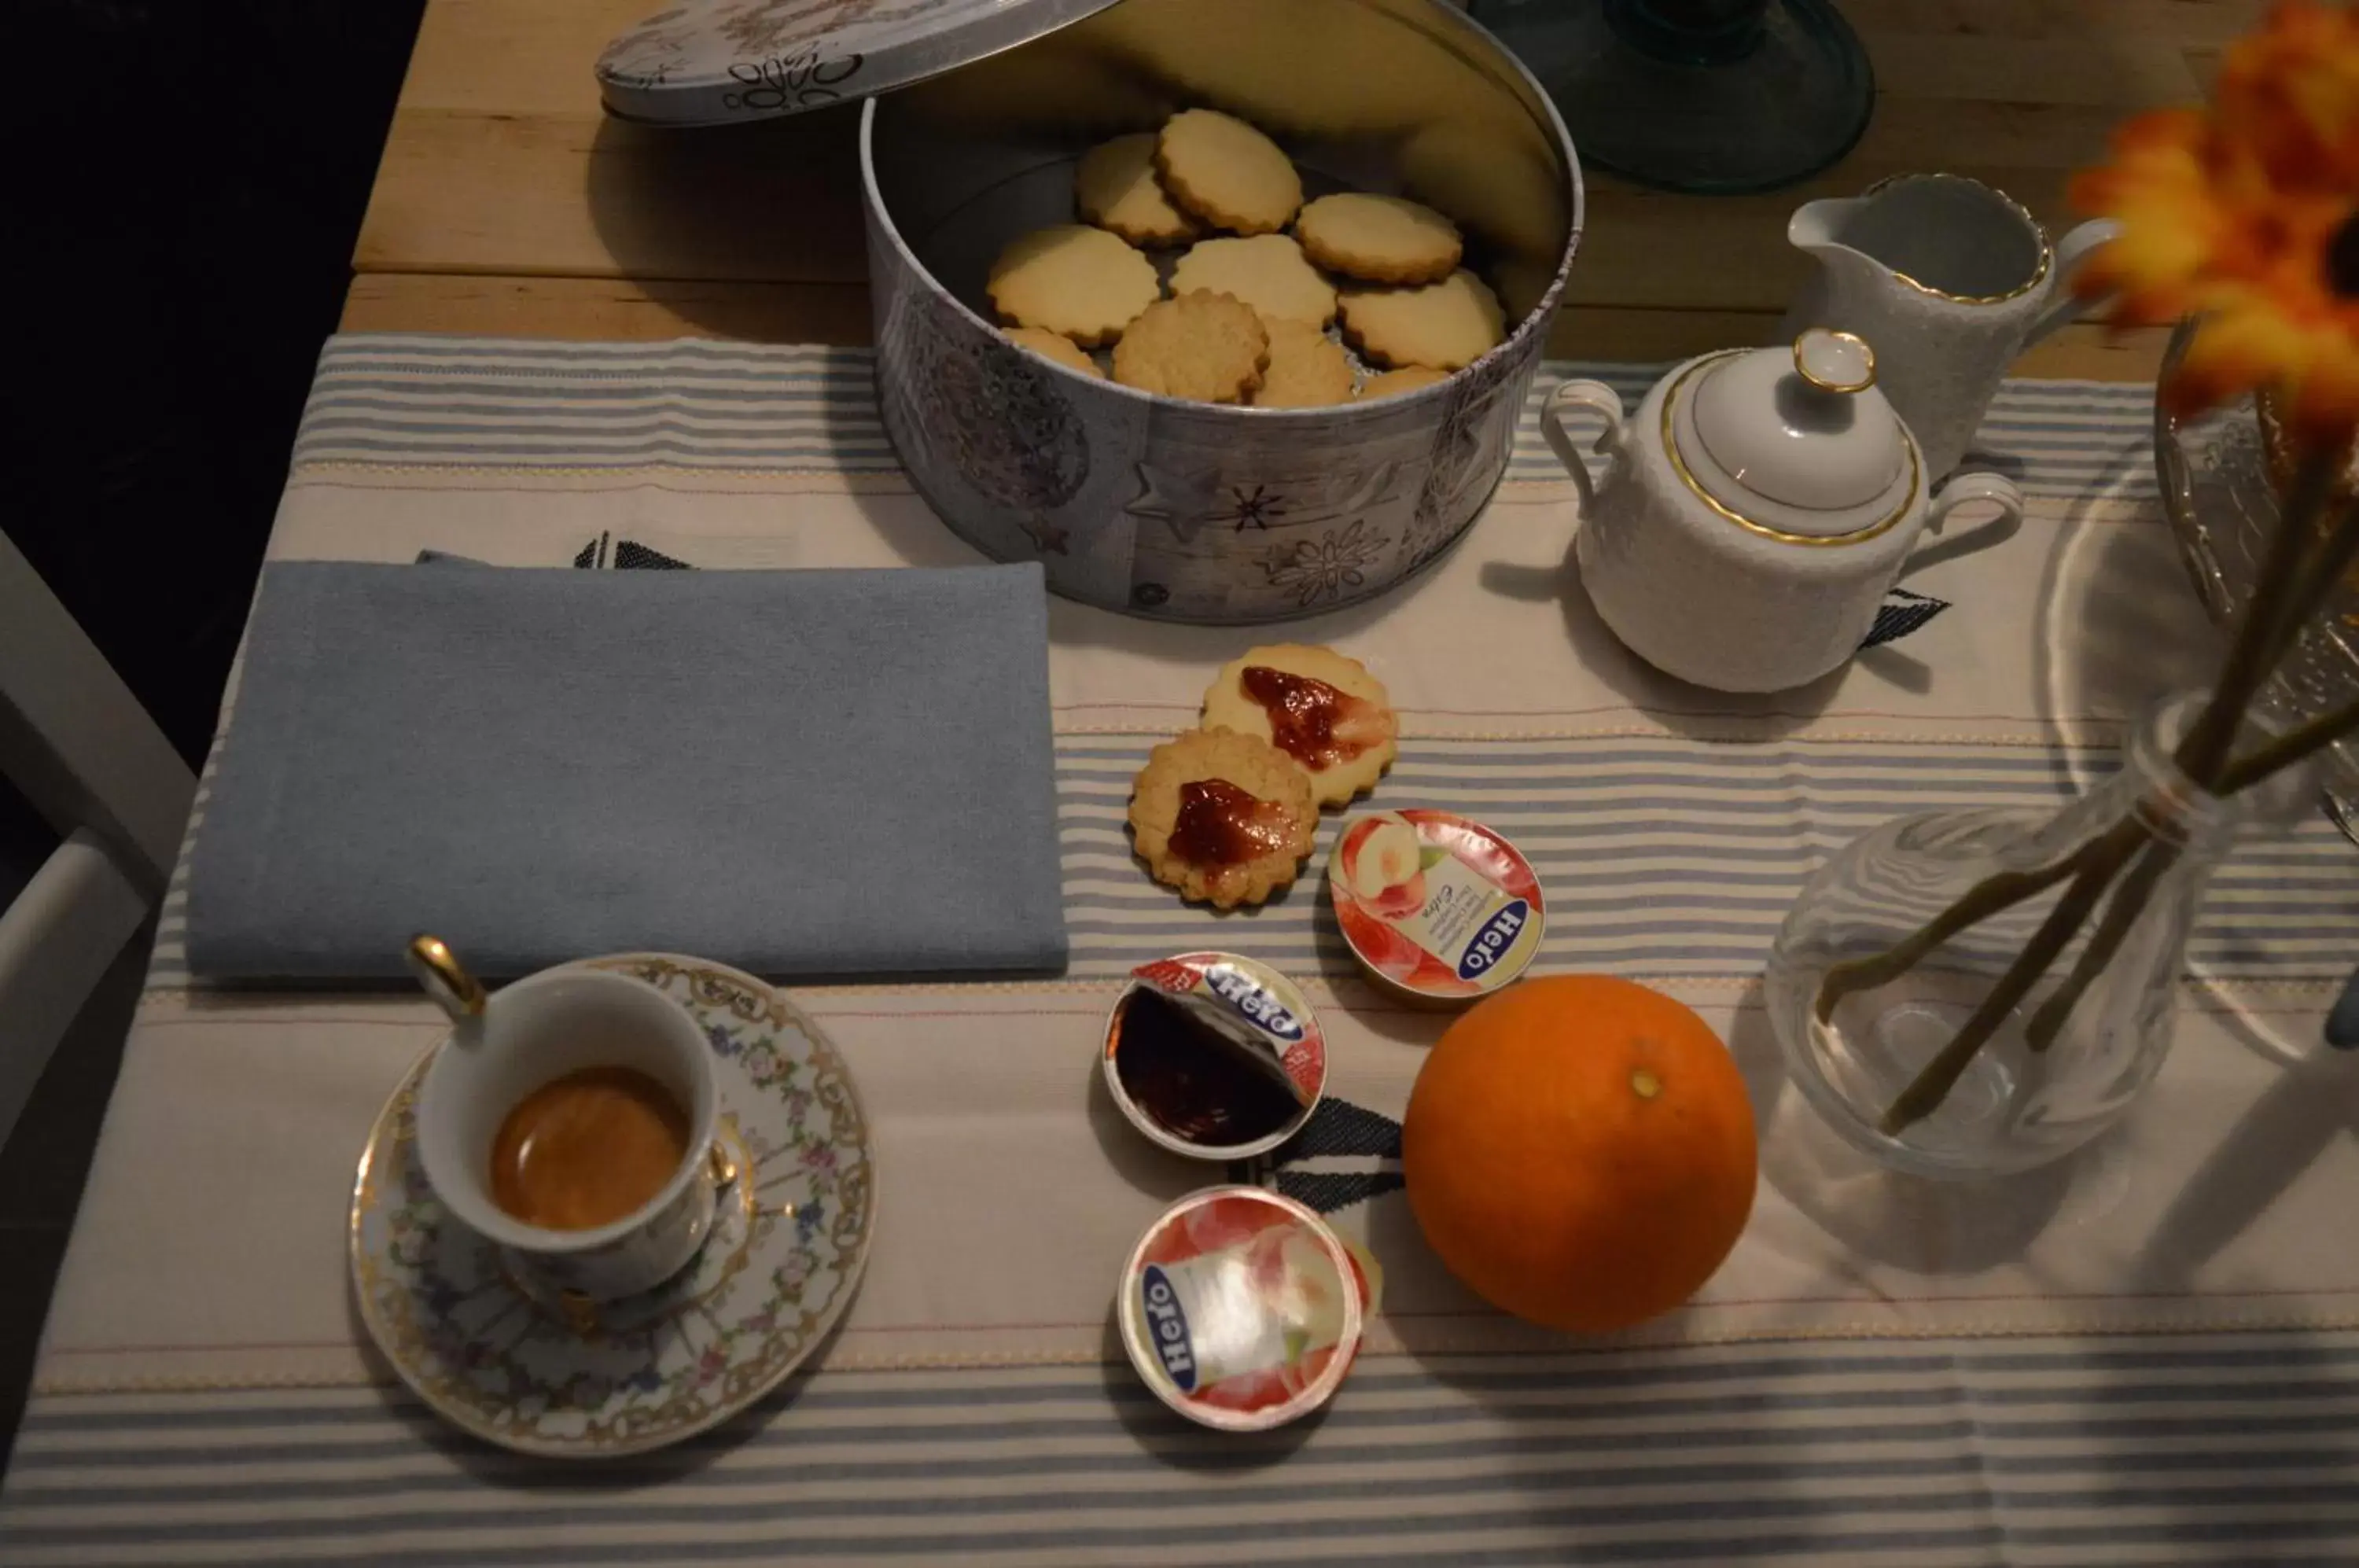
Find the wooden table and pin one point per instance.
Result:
(508, 204)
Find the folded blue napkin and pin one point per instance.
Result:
(799, 773)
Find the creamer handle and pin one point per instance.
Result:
(1593, 395)
(2071, 250)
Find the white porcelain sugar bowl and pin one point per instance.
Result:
(1756, 511)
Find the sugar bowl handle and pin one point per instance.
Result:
(1965, 487)
(1593, 395)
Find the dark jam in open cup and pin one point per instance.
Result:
(1194, 1081)
(1214, 1055)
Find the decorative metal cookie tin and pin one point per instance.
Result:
(1188, 511)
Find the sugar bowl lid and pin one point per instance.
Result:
(1797, 442)
(704, 62)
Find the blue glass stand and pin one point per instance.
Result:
(1716, 96)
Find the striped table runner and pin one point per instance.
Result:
(2150, 1355)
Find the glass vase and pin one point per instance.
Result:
(2013, 1107)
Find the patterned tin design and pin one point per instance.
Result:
(1178, 511)
(492, 1349)
(702, 62)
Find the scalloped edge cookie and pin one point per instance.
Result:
(1055, 346)
(1266, 271)
(1306, 368)
(1227, 172)
(1402, 382)
(1444, 326)
(1384, 239)
(1255, 766)
(1115, 187)
(1207, 347)
(1080, 282)
(1226, 706)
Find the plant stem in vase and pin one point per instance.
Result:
(1930, 1065)
(2246, 217)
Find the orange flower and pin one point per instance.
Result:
(2248, 215)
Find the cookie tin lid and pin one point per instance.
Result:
(1241, 1308)
(704, 62)
(1214, 1055)
(1434, 905)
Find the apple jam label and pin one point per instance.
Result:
(1434, 903)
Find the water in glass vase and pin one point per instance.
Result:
(1875, 976)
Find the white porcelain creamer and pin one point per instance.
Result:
(1949, 281)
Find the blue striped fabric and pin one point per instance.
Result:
(2193, 1450)
(472, 403)
(1661, 857)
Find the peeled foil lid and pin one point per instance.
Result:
(1251, 1016)
(1243, 1309)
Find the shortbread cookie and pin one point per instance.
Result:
(1320, 708)
(1115, 188)
(1497, 186)
(1221, 816)
(1384, 239)
(1082, 282)
(1445, 326)
(1306, 368)
(1226, 172)
(1266, 272)
(1394, 383)
(1053, 345)
(1205, 347)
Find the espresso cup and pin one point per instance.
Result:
(532, 1033)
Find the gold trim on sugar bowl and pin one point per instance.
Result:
(1672, 401)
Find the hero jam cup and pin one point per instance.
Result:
(1241, 1308)
(1435, 907)
(1214, 1055)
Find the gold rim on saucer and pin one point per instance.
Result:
(523, 1367)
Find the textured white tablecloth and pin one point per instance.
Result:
(2146, 1354)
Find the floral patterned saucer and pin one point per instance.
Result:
(517, 1367)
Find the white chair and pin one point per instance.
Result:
(81, 749)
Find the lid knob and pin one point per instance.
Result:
(1798, 438)
(1834, 362)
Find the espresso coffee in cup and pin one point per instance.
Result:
(567, 1125)
(586, 1149)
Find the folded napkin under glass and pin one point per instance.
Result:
(798, 773)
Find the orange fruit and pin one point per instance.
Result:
(1579, 1151)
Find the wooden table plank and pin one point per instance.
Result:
(623, 309)
(582, 195)
(500, 163)
(500, 160)
(778, 201)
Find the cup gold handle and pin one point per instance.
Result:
(442, 976)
